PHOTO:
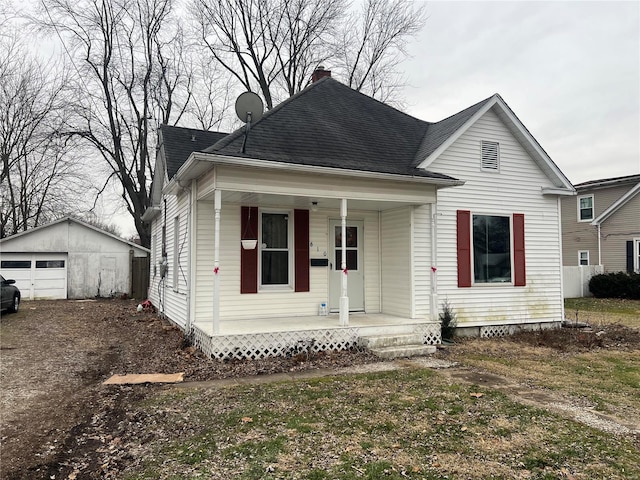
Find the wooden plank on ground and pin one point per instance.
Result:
(135, 378)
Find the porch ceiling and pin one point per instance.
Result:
(292, 201)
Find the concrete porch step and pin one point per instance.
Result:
(379, 341)
(401, 351)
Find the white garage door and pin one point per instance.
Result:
(37, 275)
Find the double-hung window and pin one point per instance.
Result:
(275, 249)
(583, 257)
(585, 208)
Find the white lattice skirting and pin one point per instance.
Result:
(273, 344)
(497, 331)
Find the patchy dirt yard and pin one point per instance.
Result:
(59, 421)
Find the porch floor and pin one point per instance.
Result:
(290, 324)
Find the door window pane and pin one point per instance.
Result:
(491, 249)
(352, 259)
(352, 236)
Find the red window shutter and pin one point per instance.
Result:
(519, 274)
(464, 247)
(248, 258)
(301, 249)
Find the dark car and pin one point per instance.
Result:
(10, 295)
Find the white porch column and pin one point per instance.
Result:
(216, 262)
(434, 262)
(344, 296)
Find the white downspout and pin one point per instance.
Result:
(434, 262)
(599, 248)
(192, 254)
(216, 262)
(344, 296)
(561, 259)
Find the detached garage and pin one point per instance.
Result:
(72, 259)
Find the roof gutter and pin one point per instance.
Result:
(558, 191)
(150, 213)
(193, 167)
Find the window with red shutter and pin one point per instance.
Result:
(272, 256)
(463, 226)
(248, 257)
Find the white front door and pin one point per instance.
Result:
(355, 265)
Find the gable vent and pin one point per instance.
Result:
(490, 155)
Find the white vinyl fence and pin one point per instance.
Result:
(576, 279)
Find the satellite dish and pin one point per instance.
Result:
(249, 107)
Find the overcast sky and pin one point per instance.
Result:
(569, 70)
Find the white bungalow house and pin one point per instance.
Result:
(337, 204)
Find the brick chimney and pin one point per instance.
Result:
(319, 73)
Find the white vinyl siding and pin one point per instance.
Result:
(277, 303)
(396, 262)
(168, 294)
(175, 267)
(422, 260)
(516, 190)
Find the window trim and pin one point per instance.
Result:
(593, 208)
(580, 252)
(511, 281)
(289, 286)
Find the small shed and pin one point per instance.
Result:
(71, 259)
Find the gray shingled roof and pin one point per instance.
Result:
(439, 132)
(179, 143)
(331, 125)
(608, 182)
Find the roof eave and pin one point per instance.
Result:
(558, 191)
(150, 213)
(541, 155)
(616, 205)
(200, 162)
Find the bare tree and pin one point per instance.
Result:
(268, 45)
(132, 76)
(40, 179)
(272, 46)
(373, 44)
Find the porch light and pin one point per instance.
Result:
(314, 206)
(249, 244)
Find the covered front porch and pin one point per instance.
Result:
(271, 246)
(267, 337)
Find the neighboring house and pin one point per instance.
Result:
(602, 225)
(71, 259)
(336, 202)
